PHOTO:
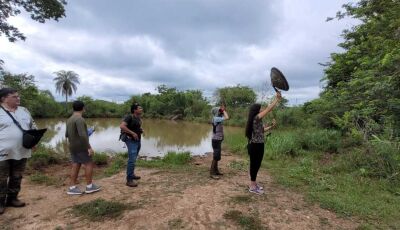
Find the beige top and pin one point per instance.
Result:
(11, 136)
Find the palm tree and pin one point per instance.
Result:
(66, 84)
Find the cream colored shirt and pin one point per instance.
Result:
(11, 136)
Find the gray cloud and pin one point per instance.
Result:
(130, 47)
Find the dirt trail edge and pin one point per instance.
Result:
(170, 199)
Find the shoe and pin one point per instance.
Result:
(131, 184)
(14, 202)
(219, 173)
(136, 177)
(92, 189)
(256, 190)
(215, 176)
(74, 191)
(260, 187)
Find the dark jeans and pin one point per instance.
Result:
(216, 145)
(256, 153)
(10, 178)
(133, 151)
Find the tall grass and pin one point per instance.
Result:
(361, 180)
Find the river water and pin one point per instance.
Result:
(161, 136)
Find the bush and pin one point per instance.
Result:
(118, 163)
(283, 143)
(43, 159)
(320, 140)
(100, 158)
(177, 158)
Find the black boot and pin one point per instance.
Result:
(12, 201)
(217, 172)
(213, 173)
(2, 205)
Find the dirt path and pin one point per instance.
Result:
(167, 199)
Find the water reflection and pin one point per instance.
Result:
(160, 136)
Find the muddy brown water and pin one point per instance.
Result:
(161, 136)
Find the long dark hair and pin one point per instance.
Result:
(253, 111)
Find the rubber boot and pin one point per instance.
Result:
(213, 173)
(217, 172)
(13, 201)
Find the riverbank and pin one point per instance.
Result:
(181, 196)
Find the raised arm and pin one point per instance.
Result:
(270, 106)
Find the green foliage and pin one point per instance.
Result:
(101, 108)
(100, 158)
(39, 11)
(118, 163)
(42, 179)
(39, 103)
(177, 158)
(171, 160)
(171, 103)
(320, 140)
(99, 209)
(43, 157)
(364, 81)
(344, 190)
(236, 96)
(66, 83)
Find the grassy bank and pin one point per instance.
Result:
(46, 166)
(356, 180)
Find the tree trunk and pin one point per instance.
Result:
(66, 103)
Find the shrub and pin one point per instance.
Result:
(320, 140)
(177, 158)
(282, 144)
(100, 158)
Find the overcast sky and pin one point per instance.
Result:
(121, 48)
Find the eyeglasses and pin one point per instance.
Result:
(16, 97)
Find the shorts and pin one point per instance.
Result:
(81, 158)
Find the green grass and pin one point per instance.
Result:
(44, 156)
(171, 160)
(118, 163)
(239, 165)
(100, 209)
(42, 179)
(100, 158)
(244, 221)
(345, 182)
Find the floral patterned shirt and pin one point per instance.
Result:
(258, 131)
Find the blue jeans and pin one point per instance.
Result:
(133, 151)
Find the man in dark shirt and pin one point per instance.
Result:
(80, 149)
(131, 126)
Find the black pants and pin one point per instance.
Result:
(10, 178)
(256, 153)
(216, 144)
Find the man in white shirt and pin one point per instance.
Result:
(13, 155)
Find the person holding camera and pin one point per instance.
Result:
(219, 116)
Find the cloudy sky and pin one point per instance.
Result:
(120, 48)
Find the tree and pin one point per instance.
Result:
(363, 82)
(236, 96)
(39, 10)
(66, 84)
